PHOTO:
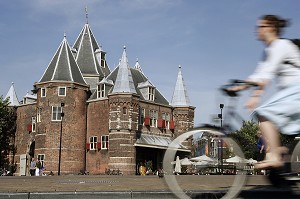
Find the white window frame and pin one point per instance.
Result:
(166, 119)
(38, 115)
(104, 141)
(151, 93)
(101, 91)
(65, 91)
(93, 142)
(43, 92)
(153, 118)
(56, 113)
(142, 116)
(33, 124)
(41, 157)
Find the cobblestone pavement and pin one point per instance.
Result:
(104, 186)
(117, 183)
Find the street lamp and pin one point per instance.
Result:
(62, 114)
(221, 141)
(220, 116)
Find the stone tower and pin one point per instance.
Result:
(183, 112)
(123, 120)
(60, 138)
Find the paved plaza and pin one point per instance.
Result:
(103, 186)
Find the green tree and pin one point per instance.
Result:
(246, 138)
(7, 132)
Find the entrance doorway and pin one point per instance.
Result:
(151, 158)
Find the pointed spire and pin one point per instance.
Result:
(86, 15)
(11, 94)
(124, 82)
(138, 66)
(180, 96)
(63, 66)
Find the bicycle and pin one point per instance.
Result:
(277, 177)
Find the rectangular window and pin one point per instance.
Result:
(56, 113)
(141, 116)
(104, 142)
(151, 92)
(33, 124)
(101, 91)
(43, 92)
(61, 91)
(153, 118)
(38, 115)
(93, 143)
(41, 157)
(166, 119)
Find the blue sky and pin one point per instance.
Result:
(212, 40)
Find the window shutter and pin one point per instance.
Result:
(159, 123)
(99, 145)
(163, 124)
(147, 121)
(29, 128)
(107, 142)
(172, 125)
(87, 145)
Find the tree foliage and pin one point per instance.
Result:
(246, 138)
(7, 131)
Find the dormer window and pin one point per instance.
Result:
(151, 93)
(62, 91)
(147, 90)
(101, 91)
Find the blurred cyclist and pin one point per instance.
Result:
(281, 113)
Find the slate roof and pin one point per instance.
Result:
(63, 66)
(85, 49)
(138, 78)
(12, 95)
(180, 96)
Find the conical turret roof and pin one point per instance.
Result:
(180, 96)
(85, 49)
(11, 94)
(138, 66)
(63, 66)
(124, 82)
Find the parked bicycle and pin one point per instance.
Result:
(289, 175)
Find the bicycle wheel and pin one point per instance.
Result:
(295, 166)
(207, 184)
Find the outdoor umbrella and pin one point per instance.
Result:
(252, 161)
(236, 159)
(177, 165)
(185, 162)
(203, 163)
(203, 158)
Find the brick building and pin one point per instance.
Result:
(83, 116)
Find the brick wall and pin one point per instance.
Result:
(97, 125)
(24, 138)
(73, 127)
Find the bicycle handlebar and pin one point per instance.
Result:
(234, 83)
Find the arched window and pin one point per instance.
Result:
(124, 110)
